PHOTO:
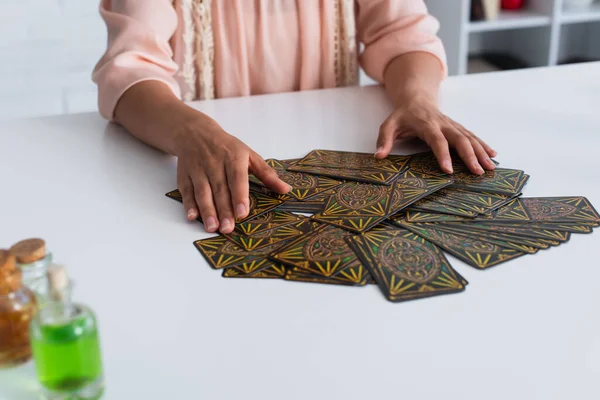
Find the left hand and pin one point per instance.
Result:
(423, 119)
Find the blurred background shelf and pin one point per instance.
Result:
(577, 15)
(543, 33)
(511, 20)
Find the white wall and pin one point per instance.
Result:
(48, 49)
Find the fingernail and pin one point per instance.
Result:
(289, 188)
(379, 150)
(240, 211)
(491, 164)
(191, 214)
(211, 224)
(448, 166)
(480, 170)
(226, 225)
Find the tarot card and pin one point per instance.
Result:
(413, 215)
(353, 160)
(519, 230)
(221, 253)
(308, 207)
(405, 265)
(300, 275)
(359, 175)
(261, 268)
(489, 236)
(431, 204)
(356, 206)
(483, 201)
(304, 185)
(280, 234)
(323, 251)
(501, 180)
(560, 209)
(412, 186)
(267, 221)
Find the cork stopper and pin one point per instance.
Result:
(10, 275)
(58, 282)
(29, 250)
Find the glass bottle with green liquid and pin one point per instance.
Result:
(65, 344)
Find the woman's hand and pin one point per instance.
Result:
(422, 118)
(212, 174)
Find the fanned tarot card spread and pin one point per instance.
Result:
(304, 185)
(472, 250)
(259, 204)
(222, 253)
(362, 167)
(280, 234)
(405, 265)
(519, 230)
(403, 221)
(490, 236)
(405, 211)
(414, 215)
(261, 268)
(325, 253)
(267, 221)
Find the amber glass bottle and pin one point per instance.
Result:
(17, 307)
(33, 261)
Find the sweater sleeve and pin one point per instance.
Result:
(138, 49)
(391, 28)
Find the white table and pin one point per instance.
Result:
(173, 328)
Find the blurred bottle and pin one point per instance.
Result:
(17, 307)
(65, 343)
(512, 4)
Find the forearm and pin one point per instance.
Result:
(151, 112)
(413, 76)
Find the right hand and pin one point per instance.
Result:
(212, 174)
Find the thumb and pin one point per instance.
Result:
(385, 141)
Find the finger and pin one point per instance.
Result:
(385, 140)
(463, 146)
(267, 175)
(204, 200)
(439, 145)
(222, 199)
(482, 155)
(491, 152)
(187, 197)
(237, 179)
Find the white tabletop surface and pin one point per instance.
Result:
(173, 328)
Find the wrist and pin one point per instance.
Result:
(416, 98)
(192, 127)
